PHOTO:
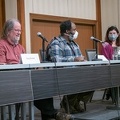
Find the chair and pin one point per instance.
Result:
(91, 54)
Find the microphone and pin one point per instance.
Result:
(95, 39)
(39, 34)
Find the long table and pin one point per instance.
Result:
(26, 83)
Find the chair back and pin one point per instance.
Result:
(91, 54)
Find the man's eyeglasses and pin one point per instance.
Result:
(17, 30)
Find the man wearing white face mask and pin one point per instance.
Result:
(64, 49)
(73, 36)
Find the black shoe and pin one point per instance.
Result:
(47, 117)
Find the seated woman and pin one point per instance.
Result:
(110, 50)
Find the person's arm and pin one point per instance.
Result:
(107, 50)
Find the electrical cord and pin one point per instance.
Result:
(58, 88)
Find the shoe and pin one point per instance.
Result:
(63, 116)
(46, 117)
(80, 107)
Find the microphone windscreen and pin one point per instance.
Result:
(39, 33)
(92, 38)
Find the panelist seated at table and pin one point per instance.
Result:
(64, 49)
(10, 49)
(110, 49)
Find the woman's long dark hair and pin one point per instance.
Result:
(118, 38)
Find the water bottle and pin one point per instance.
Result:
(119, 55)
(115, 56)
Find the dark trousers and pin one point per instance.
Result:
(113, 93)
(46, 106)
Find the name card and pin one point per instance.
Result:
(30, 58)
(102, 57)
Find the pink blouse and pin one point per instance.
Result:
(107, 50)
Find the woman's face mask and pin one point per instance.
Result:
(112, 37)
(73, 36)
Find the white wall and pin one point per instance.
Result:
(69, 8)
(11, 9)
(110, 15)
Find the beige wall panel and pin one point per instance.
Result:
(50, 7)
(82, 9)
(119, 14)
(70, 8)
(11, 9)
(109, 14)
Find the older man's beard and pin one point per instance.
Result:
(16, 40)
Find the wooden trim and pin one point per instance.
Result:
(98, 18)
(2, 14)
(21, 17)
(37, 17)
(50, 18)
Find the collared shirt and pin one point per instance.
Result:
(10, 54)
(63, 51)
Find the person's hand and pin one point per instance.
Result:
(79, 59)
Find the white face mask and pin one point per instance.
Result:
(73, 37)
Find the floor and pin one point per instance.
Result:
(97, 109)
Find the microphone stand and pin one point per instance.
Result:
(96, 56)
(43, 52)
